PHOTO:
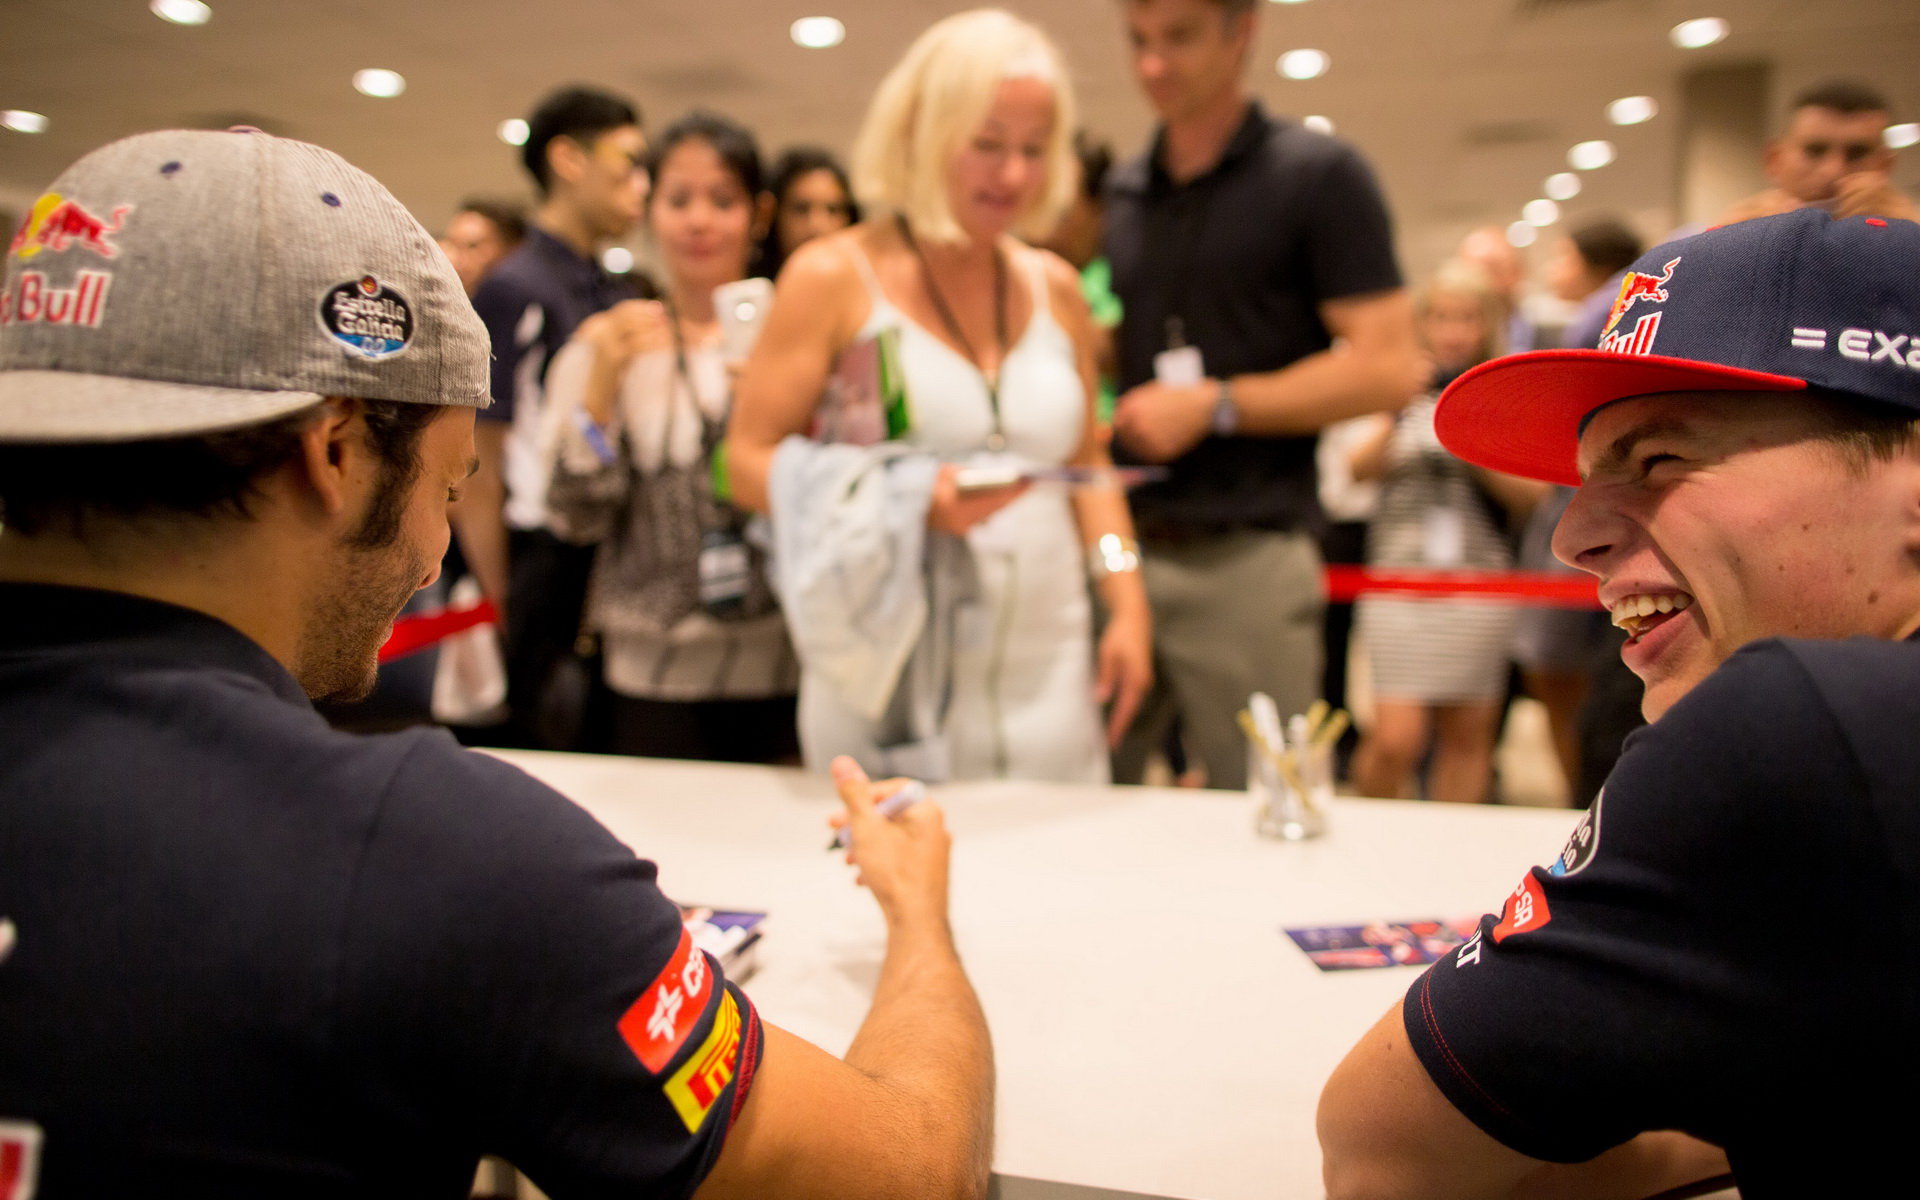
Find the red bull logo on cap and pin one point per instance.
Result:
(55, 223)
(1635, 286)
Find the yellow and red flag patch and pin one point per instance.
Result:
(695, 1087)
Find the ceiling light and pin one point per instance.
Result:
(21, 121)
(1316, 122)
(181, 12)
(1899, 137)
(1303, 64)
(1521, 235)
(376, 81)
(1563, 186)
(1590, 156)
(1632, 110)
(1540, 213)
(817, 33)
(513, 131)
(1702, 31)
(618, 260)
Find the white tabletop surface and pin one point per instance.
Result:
(1155, 1030)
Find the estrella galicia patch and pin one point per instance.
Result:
(1584, 843)
(367, 317)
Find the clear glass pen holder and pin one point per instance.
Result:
(1292, 806)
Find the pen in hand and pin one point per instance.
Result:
(911, 793)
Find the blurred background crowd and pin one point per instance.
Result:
(1065, 379)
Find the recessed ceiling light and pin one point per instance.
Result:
(1540, 213)
(513, 131)
(1563, 186)
(1521, 235)
(1899, 137)
(1316, 122)
(1701, 31)
(1303, 64)
(21, 121)
(1590, 156)
(181, 12)
(618, 260)
(377, 81)
(817, 33)
(1632, 110)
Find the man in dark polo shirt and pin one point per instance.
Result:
(243, 954)
(1716, 964)
(1243, 248)
(584, 150)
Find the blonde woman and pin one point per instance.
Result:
(967, 145)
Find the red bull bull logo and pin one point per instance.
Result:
(55, 224)
(1635, 286)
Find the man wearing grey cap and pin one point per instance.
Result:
(243, 954)
(1708, 974)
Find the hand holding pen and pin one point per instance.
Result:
(897, 838)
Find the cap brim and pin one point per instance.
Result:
(67, 406)
(1522, 414)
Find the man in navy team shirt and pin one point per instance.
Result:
(1712, 973)
(243, 954)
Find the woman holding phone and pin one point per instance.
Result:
(985, 353)
(695, 651)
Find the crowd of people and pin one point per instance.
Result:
(1229, 298)
(876, 518)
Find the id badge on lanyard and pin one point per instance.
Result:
(1180, 364)
(726, 571)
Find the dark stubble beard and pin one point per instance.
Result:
(340, 642)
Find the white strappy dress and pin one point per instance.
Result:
(1022, 704)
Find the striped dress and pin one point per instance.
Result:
(1433, 514)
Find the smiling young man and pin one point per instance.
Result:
(244, 954)
(1705, 970)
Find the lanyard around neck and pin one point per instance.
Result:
(997, 439)
(711, 430)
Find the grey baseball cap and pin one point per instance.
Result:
(184, 281)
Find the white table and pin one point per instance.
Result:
(1155, 1031)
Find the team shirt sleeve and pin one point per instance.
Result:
(515, 967)
(1662, 972)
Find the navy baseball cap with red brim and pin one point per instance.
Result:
(1780, 303)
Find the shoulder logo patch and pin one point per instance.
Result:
(1583, 845)
(657, 1024)
(696, 1086)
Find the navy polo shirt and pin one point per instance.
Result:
(248, 955)
(1241, 257)
(1724, 945)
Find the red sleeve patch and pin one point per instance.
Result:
(1525, 912)
(657, 1024)
(19, 1159)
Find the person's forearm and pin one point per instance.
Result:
(925, 1040)
(749, 464)
(1320, 389)
(1103, 512)
(479, 520)
(1646, 1166)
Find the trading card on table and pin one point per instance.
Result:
(1380, 943)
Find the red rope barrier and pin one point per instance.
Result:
(1551, 589)
(417, 631)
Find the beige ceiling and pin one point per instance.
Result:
(1465, 106)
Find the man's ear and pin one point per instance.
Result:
(1909, 482)
(566, 159)
(329, 449)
